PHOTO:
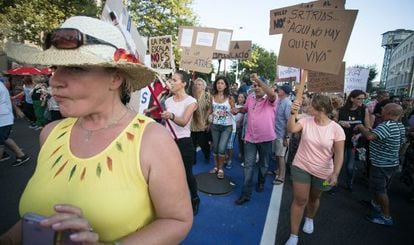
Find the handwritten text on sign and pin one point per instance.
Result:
(196, 59)
(356, 78)
(316, 39)
(278, 17)
(240, 50)
(324, 82)
(161, 53)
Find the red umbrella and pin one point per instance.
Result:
(46, 70)
(24, 70)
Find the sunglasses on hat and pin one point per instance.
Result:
(71, 38)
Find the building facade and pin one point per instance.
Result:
(401, 67)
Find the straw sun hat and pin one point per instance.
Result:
(137, 75)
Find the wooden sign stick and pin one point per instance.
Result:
(299, 92)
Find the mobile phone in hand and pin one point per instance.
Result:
(35, 234)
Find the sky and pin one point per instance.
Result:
(249, 20)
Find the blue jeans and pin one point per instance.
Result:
(221, 135)
(349, 163)
(250, 150)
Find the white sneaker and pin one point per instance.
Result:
(308, 226)
(293, 240)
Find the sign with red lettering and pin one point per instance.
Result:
(279, 16)
(162, 54)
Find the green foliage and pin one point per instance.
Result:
(261, 62)
(28, 20)
(159, 17)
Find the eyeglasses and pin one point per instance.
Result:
(70, 38)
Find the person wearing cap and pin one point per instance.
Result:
(104, 174)
(282, 136)
(260, 107)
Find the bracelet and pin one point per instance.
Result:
(172, 117)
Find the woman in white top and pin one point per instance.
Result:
(179, 110)
(222, 122)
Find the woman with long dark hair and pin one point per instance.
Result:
(179, 110)
(351, 114)
(222, 122)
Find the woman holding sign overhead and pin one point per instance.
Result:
(317, 163)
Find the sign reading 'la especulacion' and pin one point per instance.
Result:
(316, 39)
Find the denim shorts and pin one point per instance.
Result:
(301, 176)
(4, 133)
(380, 178)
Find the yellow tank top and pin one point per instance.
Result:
(109, 187)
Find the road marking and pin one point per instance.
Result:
(272, 217)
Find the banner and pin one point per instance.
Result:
(279, 17)
(161, 52)
(316, 39)
(284, 72)
(115, 12)
(324, 82)
(239, 50)
(356, 78)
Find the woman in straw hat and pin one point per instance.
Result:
(101, 173)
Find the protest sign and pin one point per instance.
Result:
(198, 45)
(324, 82)
(284, 72)
(279, 16)
(196, 59)
(115, 12)
(316, 39)
(239, 50)
(356, 78)
(218, 40)
(162, 54)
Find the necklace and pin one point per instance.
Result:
(89, 132)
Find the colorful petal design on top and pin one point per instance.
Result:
(135, 125)
(83, 174)
(119, 146)
(72, 172)
(141, 120)
(53, 153)
(57, 160)
(109, 163)
(98, 170)
(130, 136)
(61, 135)
(61, 169)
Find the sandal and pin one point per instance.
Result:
(220, 174)
(213, 171)
(278, 181)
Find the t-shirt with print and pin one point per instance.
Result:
(384, 151)
(316, 147)
(353, 117)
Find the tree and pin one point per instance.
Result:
(261, 61)
(24, 20)
(158, 18)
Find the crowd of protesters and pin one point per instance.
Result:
(313, 141)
